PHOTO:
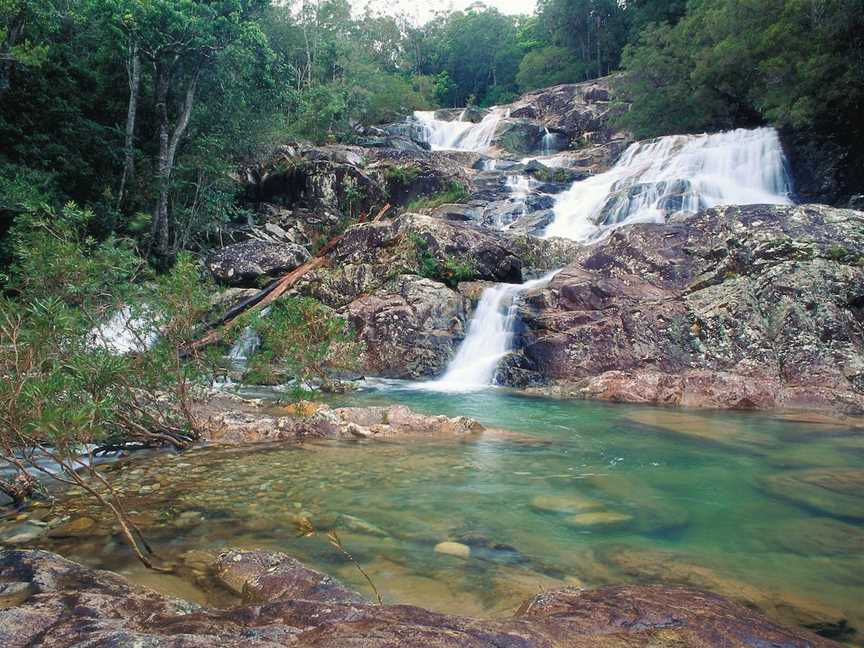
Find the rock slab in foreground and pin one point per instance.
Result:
(60, 604)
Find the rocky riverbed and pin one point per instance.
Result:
(48, 601)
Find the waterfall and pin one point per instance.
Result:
(458, 135)
(679, 173)
(245, 346)
(490, 337)
(125, 332)
(548, 143)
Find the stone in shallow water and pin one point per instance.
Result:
(453, 549)
(21, 533)
(600, 520)
(564, 503)
(76, 527)
(836, 491)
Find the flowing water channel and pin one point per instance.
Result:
(759, 509)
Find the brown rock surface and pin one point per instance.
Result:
(734, 307)
(62, 604)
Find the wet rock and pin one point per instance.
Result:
(751, 307)
(289, 605)
(453, 549)
(518, 136)
(20, 534)
(681, 569)
(564, 503)
(261, 577)
(245, 263)
(835, 491)
(78, 527)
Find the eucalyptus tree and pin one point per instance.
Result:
(180, 40)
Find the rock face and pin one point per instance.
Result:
(409, 326)
(735, 307)
(245, 264)
(55, 603)
(579, 112)
(412, 324)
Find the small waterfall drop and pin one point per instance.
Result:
(490, 337)
(458, 135)
(548, 143)
(679, 173)
(245, 346)
(125, 332)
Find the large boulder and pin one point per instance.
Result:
(244, 264)
(410, 327)
(371, 254)
(55, 603)
(735, 307)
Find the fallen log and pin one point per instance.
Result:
(274, 291)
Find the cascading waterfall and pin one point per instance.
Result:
(548, 143)
(679, 173)
(489, 338)
(458, 135)
(682, 173)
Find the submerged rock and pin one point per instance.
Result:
(453, 549)
(60, 604)
(835, 491)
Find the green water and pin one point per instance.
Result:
(766, 511)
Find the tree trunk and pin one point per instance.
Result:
(7, 59)
(160, 231)
(131, 115)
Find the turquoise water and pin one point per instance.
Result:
(763, 510)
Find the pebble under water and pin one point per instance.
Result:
(762, 509)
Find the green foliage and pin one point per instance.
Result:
(548, 66)
(305, 341)
(450, 271)
(733, 63)
(401, 174)
(457, 193)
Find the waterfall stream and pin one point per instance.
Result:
(679, 173)
(490, 335)
(458, 135)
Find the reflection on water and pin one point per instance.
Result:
(762, 510)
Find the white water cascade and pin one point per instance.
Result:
(126, 331)
(489, 339)
(458, 135)
(679, 173)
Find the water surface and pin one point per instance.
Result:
(763, 510)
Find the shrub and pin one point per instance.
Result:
(450, 271)
(456, 193)
(307, 341)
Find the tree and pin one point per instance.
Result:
(181, 40)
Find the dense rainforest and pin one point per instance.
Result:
(526, 328)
